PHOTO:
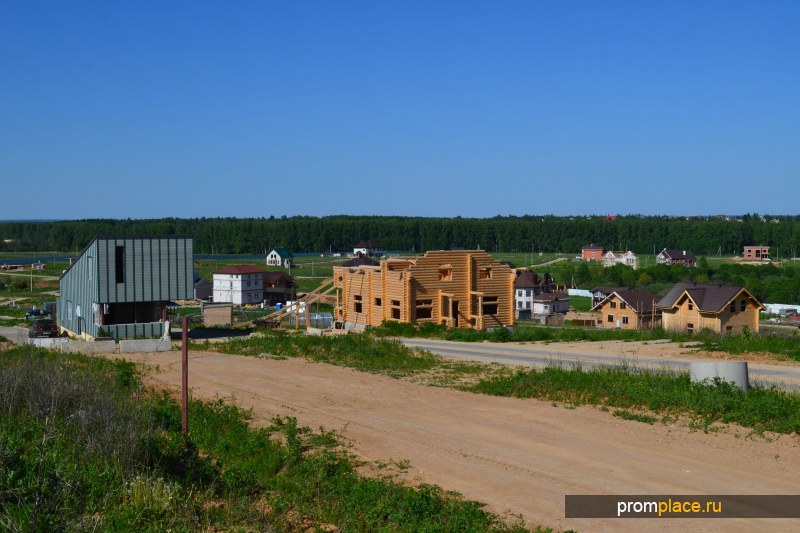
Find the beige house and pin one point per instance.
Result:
(724, 309)
(626, 309)
(458, 288)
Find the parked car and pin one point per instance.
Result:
(43, 327)
(36, 313)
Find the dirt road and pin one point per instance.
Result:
(517, 456)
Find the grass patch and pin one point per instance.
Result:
(637, 417)
(83, 447)
(362, 352)
(521, 333)
(762, 409)
(749, 343)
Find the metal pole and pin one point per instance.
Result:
(185, 376)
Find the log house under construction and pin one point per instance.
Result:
(458, 288)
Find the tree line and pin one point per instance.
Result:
(703, 236)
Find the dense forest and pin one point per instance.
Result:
(704, 236)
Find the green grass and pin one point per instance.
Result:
(361, 352)
(521, 333)
(580, 303)
(762, 409)
(748, 343)
(84, 447)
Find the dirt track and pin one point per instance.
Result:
(520, 456)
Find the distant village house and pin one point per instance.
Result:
(592, 252)
(367, 249)
(756, 253)
(280, 257)
(239, 284)
(621, 258)
(676, 257)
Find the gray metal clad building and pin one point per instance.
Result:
(124, 284)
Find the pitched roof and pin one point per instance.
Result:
(607, 289)
(639, 301)
(592, 246)
(283, 252)
(707, 296)
(360, 261)
(241, 269)
(528, 279)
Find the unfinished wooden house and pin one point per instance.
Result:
(458, 288)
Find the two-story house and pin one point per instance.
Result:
(239, 284)
(725, 309)
(123, 285)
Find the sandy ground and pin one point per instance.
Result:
(518, 456)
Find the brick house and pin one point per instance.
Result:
(723, 309)
(756, 253)
(592, 252)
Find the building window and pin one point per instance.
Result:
(484, 273)
(90, 268)
(445, 273)
(610, 318)
(743, 305)
(613, 304)
(729, 328)
(691, 307)
(624, 320)
(396, 313)
(119, 264)
(357, 304)
(733, 307)
(689, 328)
(623, 305)
(489, 306)
(378, 302)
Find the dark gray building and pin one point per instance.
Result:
(123, 285)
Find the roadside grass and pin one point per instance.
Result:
(749, 343)
(624, 387)
(84, 447)
(362, 352)
(520, 334)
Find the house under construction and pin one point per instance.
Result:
(458, 288)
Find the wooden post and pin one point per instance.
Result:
(185, 376)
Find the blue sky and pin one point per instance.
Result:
(436, 108)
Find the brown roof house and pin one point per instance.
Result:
(279, 287)
(676, 257)
(458, 288)
(628, 309)
(724, 309)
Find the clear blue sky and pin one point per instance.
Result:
(434, 108)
